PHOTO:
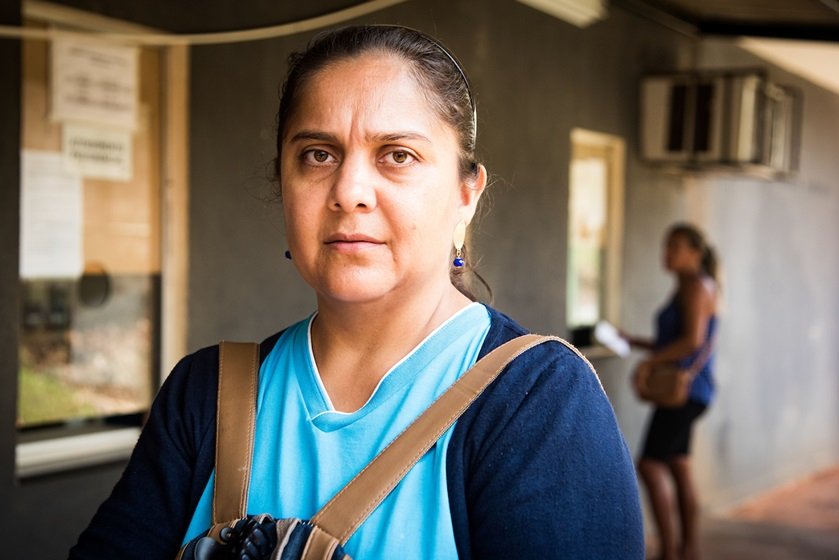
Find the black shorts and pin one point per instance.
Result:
(669, 432)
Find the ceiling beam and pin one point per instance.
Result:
(777, 31)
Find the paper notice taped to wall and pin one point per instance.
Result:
(51, 217)
(98, 152)
(94, 82)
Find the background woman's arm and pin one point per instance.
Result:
(638, 342)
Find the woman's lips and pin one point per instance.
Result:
(352, 243)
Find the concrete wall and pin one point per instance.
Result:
(535, 79)
(777, 417)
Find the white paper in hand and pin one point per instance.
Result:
(606, 334)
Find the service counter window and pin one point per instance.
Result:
(90, 261)
(595, 232)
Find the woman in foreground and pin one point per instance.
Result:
(379, 179)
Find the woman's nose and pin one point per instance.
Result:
(354, 187)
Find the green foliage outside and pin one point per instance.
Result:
(43, 398)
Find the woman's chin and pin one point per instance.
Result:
(371, 284)
(359, 289)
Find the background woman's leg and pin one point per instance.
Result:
(688, 506)
(655, 476)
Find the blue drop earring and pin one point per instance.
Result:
(458, 238)
(288, 254)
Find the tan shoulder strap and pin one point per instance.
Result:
(235, 423)
(345, 512)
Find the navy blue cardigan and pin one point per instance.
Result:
(536, 468)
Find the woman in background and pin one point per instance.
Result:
(685, 330)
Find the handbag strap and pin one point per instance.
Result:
(350, 507)
(702, 358)
(235, 425)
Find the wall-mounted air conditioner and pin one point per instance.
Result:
(707, 119)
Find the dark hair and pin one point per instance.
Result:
(697, 241)
(436, 70)
(433, 65)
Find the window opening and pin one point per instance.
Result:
(595, 224)
(90, 234)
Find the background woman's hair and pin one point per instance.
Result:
(696, 239)
(436, 70)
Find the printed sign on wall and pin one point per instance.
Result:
(51, 217)
(94, 82)
(97, 152)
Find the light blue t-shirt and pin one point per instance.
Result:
(305, 451)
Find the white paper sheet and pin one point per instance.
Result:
(98, 152)
(51, 217)
(606, 334)
(94, 82)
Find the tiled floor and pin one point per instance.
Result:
(797, 522)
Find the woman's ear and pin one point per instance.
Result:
(472, 191)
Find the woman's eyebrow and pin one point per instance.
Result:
(314, 135)
(383, 137)
(397, 136)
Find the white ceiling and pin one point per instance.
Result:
(815, 61)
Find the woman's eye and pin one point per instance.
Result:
(316, 157)
(400, 157)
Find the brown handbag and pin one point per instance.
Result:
(668, 385)
(334, 524)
